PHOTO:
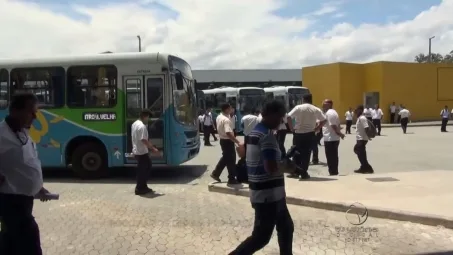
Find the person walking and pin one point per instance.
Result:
(227, 142)
(306, 116)
(140, 149)
(267, 186)
(445, 115)
(404, 115)
(349, 117)
(377, 115)
(332, 135)
(208, 127)
(362, 140)
(393, 112)
(21, 179)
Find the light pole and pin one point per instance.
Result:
(429, 53)
(140, 43)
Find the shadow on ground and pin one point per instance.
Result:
(159, 175)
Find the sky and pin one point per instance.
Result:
(230, 34)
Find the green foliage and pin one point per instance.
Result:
(435, 58)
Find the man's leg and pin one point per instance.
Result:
(265, 221)
(306, 146)
(143, 169)
(379, 127)
(206, 133)
(213, 133)
(230, 157)
(222, 161)
(314, 149)
(285, 228)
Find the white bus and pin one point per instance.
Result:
(244, 100)
(289, 95)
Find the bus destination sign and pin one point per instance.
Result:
(99, 116)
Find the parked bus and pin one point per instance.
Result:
(290, 96)
(244, 100)
(88, 103)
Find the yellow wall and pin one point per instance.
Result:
(323, 82)
(423, 88)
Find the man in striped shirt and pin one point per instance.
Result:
(267, 185)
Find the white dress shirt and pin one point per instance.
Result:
(207, 119)
(361, 125)
(377, 114)
(348, 115)
(19, 164)
(139, 132)
(306, 116)
(445, 114)
(404, 113)
(249, 121)
(328, 132)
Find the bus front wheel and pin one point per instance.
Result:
(89, 161)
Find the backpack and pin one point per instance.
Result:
(371, 132)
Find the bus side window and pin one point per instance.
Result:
(47, 83)
(92, 86)
(4, 89)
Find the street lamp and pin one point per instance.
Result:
(140, 43)
(429, 53)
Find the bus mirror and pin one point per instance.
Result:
(179, 81)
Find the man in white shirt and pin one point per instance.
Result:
(377, 115)
(304, 137)
(445, 115)
(349, 117)
(208, 127)
(282, 130)
(140, 149)
(404, 115)
(233, 119)
(393, 112)
(332, 134)
(362, 140)
(249, 121)
(21, 179)
(368, 112)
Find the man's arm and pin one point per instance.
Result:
(321, 120)
(229, 131)
(289, 121)
(364, 122)
(332, 121)
(143, 134)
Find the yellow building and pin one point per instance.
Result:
(423, 88)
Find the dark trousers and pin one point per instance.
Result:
(267, 217)
(348, 126)
(319, 136)
(332, 156)
(144, 164)
(399, 119)
(281, 137)
(207, 131)
(377, 125)
(443, 127)
(20, 232)
(360, 150)
(369, 118)
(304, 144)
(392, 117)
(227, 160)
(314, 147)
(404, 122)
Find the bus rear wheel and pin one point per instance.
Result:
(89, 161)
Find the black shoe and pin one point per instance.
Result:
(305, 176)
(207, 144)
(365, 171)
(217, 179)
(232, 182)
(143, 191)
(293, 176)
(333, 174)
(315, 162)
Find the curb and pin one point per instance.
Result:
(412, 126)
(375, 212)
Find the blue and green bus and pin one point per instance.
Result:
(88, 103)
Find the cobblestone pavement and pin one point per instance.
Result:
(105, 217)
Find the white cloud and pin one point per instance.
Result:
(218, 34)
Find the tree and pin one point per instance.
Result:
(435, 58)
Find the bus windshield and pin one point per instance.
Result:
(185, 99)
(250, 101)
(295, 96)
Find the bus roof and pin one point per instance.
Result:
(283, 88)
(227, 89)
(93, 59)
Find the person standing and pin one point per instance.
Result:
(267, 186)
(392, 113)
(377, 115)
(282, 130)
(362, 140)
(349, 117)
(21, 179)
(445, 115)
(227, 142)
(404, 114)
(367, 112)
(332, 134)
(140, 149)
(306, 116)
(208, 127)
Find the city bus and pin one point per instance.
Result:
(243, 100)
(288, 95)
(87, 105)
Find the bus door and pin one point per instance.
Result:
(144, 92)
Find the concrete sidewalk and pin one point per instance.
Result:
(419, 197)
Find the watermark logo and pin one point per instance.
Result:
(357, 214)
